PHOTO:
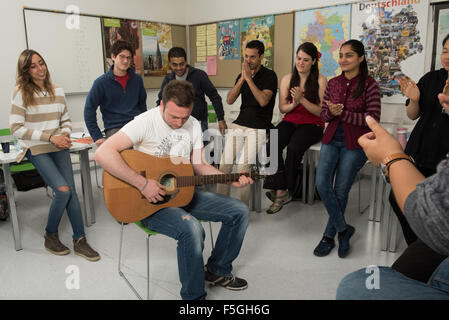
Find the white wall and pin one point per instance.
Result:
(170, 11)
(13, 36)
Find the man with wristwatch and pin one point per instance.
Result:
(425, 204)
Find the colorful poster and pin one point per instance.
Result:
(120, 29)
(262, 29)
(394, 35)
(327, 28)
(228, 40)
(156, 42)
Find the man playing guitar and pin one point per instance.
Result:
(169, 131)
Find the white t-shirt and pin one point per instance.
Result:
(152, 135)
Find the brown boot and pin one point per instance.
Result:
(83, 249)
(55, 246)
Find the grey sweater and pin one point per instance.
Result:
(427, 210)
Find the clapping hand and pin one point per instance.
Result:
(409, 88)
(297, 94)
(335, 108)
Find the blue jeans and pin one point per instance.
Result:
(182, 225)
(56, 170)
(336, 163)
(393, 285)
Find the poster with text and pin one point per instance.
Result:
(122, 29)
(156, 42)
(327, 28)
(229, 40)
(394, 35)
(262, 29)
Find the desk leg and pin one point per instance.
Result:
(12, 207)
(88, 203)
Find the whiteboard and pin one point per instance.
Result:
(74, 56)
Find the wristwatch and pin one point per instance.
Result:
(389, 160)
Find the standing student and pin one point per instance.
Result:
(428, 147)
(300, 96)
(40, 119)
(348, 99)
(257, 86)
(119, 93)
(169, 131)
(177, 59)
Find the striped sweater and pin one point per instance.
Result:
(340, 90)
(33, 125)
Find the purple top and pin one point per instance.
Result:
(340, 90)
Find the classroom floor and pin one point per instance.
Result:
(276, 258)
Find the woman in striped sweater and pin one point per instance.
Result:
(39, 118)
(348, 99)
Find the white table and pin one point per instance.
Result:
(6, 159)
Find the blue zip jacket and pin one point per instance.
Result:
(117, 106)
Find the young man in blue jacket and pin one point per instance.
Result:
(119, 93)
(177, 58)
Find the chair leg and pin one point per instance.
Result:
(211, 235)
(148, 267)
(120, 264)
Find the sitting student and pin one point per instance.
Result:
(170, 131)
(300, 96)
(40, 119)
(425, 205)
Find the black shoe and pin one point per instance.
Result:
(230, 282)
(271, 195)
(324, 247)
(343, 241)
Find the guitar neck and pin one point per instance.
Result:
(188, 181)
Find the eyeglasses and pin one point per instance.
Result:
(122, 57)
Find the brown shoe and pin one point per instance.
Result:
(55, 246)
(83, 249)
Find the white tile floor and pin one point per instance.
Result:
(276, 258)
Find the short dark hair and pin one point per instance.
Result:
(180, 92)
(121, 45)
(445, 39)
(177, 52)
(256, 44)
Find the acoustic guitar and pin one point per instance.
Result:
(125, 202)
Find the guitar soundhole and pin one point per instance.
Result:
(168, 181)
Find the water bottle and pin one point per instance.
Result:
(401, 135)
(17, 146)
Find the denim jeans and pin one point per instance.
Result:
(337, 168)
(392, 285)
(56, 170)
(182, 225)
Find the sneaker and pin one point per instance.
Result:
(83, 249)
(343, 241)
(231, 282)
(55, 246)
(279, 202)
(324, 247)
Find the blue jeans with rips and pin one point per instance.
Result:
(392, 285)
(56, 170)
(336, 171)
(182, 225)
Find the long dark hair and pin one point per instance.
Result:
(311, 87)
(358, 47)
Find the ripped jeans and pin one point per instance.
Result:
(56, 170)
(182, 225)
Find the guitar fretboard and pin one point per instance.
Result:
(188, 181)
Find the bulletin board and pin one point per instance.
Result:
(228, 70)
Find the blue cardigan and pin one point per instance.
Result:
(117, 106)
